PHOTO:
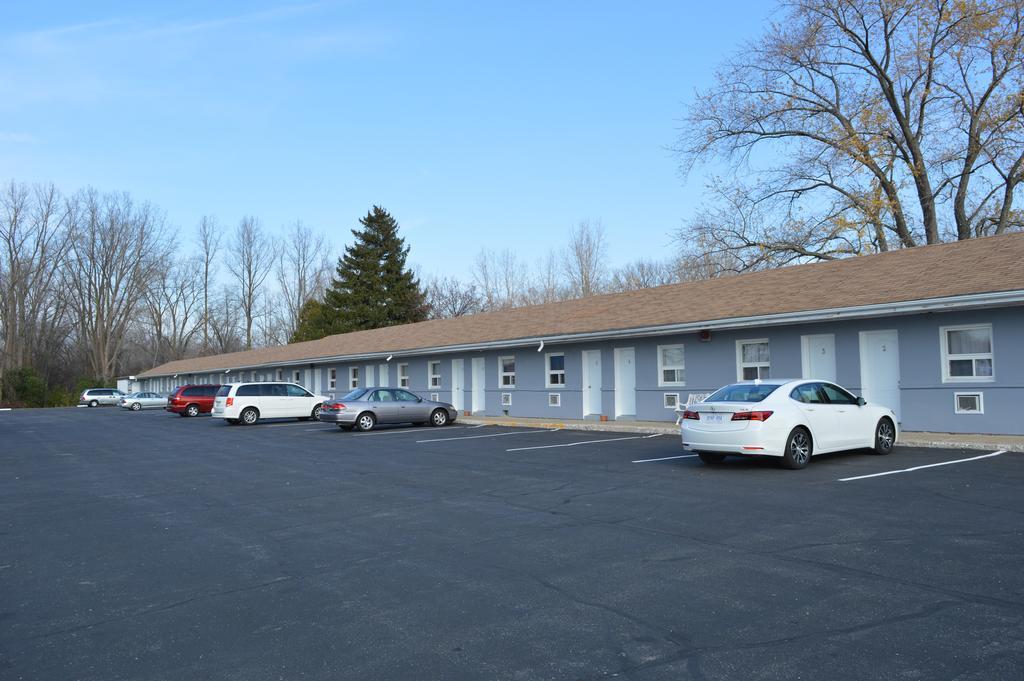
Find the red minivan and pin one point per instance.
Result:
(192, 400)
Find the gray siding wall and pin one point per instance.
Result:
(926, 402)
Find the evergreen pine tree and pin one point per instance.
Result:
(373, 287)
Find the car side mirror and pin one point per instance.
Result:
(419, 399)
(861, 401)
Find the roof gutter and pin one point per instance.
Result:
(976, 300)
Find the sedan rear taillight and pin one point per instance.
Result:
(335, 406)
(693, 415)
(751, 416)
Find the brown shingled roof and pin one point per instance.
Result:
(985, 265)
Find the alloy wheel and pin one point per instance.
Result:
(800, 448)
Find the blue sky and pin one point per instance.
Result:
(476, 124)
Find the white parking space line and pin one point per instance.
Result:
(584, 442)
(917, 468)
(477, 437)
(404, 431)
(667, 458)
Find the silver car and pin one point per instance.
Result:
(138, 401)
(363, 408)
(95, 397)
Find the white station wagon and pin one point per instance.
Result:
(247, 403)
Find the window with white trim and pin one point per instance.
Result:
(506, 399)
(554, 399)
(353, 378)
(434, 374)
(753, 359)
(671, 400)
(297, 376)
(507, 372)
(967, 354)
(671, 365)
(332, 379)
(969, 403)
(435, 397)
(403, 375)
(280, 375)
(555, 375)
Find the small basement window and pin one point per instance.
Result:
(969, 403)
(671, 400)
(554, 399)
(435, 397)
(506, 399)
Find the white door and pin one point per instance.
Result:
(591, 382)
(458, 383)
(880, 368)
(819, 357)
(625, 382)
(383, 379)
(478, 384)
(368, 377)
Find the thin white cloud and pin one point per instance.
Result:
(17, 137)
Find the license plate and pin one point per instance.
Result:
(712, 418)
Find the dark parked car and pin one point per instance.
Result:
(363, 408)
(192, 400)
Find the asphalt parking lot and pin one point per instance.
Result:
(147, 546)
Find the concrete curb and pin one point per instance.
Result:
(939, 441)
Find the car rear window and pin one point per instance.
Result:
(743, 392)
(224, 390)
(355, 394)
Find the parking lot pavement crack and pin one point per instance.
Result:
(875, 623)
(159, 609)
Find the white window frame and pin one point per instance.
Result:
(434, 380)
(974, 393)
(332, 379)
(662, 383)
(297, 376)
(280, 374)
(664, 400)
(946, 357)
(502, 374)
(506, 399)
(435, 397)
(554, 399)
(403, 375)
(548, 371)
(741, 365)
(353, 378)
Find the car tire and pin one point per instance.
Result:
(365, 421)
(249, 416)
(93, 403)
(799, 449)
(885, 436)
(438, 418)
(316, 413)
(136, 406)
(712, 458)
(192, 410)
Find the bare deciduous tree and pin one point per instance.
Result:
(33, 248)
(116, 248)
(209, 247)
(857, 122)
(585, 257)
(645, 273)
(250, 258)
(500, 278)
(174, 302)
(302, 270)
(448, 297)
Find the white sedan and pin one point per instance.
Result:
(785, 418)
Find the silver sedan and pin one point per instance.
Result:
(364, 408)
(138, 401)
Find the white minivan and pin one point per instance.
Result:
(247, 403)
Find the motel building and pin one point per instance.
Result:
(936, 333)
